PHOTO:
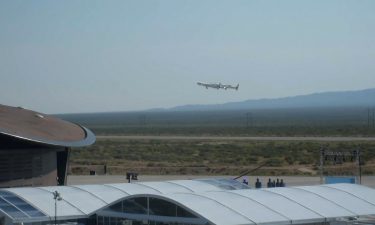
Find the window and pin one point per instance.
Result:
(135, 205)
(113, 221)
(157, 207)
(106, 220)
(183, 213)
(17, 207)
(162, 208)
(29, 210)
(100, 220)
(11, 210)
(116, 207)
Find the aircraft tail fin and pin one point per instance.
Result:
(238, 85)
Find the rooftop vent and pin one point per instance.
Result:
(39, 116)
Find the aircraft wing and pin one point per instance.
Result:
(218, 85)
(203, 84)
(232, 87)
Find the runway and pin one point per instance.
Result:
(240, 138)
(289, 180)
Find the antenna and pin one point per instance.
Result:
(251, 170)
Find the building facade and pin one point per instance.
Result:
(34, 147)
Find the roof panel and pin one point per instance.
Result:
(225, 184)
(314, 202)
(197, 185)
(363, 192)
(134, 188)
(346, 200)
(43, 200)
(245, 206)
(210, 209)
(84, 201)
(11, 210)
(13, 199)
(166, 187)
(104, 192)
(282, 205)
(30, 211)
(13, 202)
(5, 194)
(253, 210)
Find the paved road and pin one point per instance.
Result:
(289, 180)
(229, 138)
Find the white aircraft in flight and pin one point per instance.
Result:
(210, 85)
(227, 86)
(218, 86)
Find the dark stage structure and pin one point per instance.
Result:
(35, 147)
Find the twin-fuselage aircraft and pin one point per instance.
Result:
(218, 86)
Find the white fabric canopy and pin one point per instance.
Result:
(212, 202)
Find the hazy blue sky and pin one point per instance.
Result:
(87, 56)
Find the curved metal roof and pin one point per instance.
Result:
(40, 128)
(292, 205)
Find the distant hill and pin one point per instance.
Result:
(362, 98)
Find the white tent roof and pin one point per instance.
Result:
(220, 202)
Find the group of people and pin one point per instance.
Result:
(270, 183)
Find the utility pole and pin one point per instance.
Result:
(368, 118)
(247, 120)
(322, 155)
(358, 162)
(56, 197)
